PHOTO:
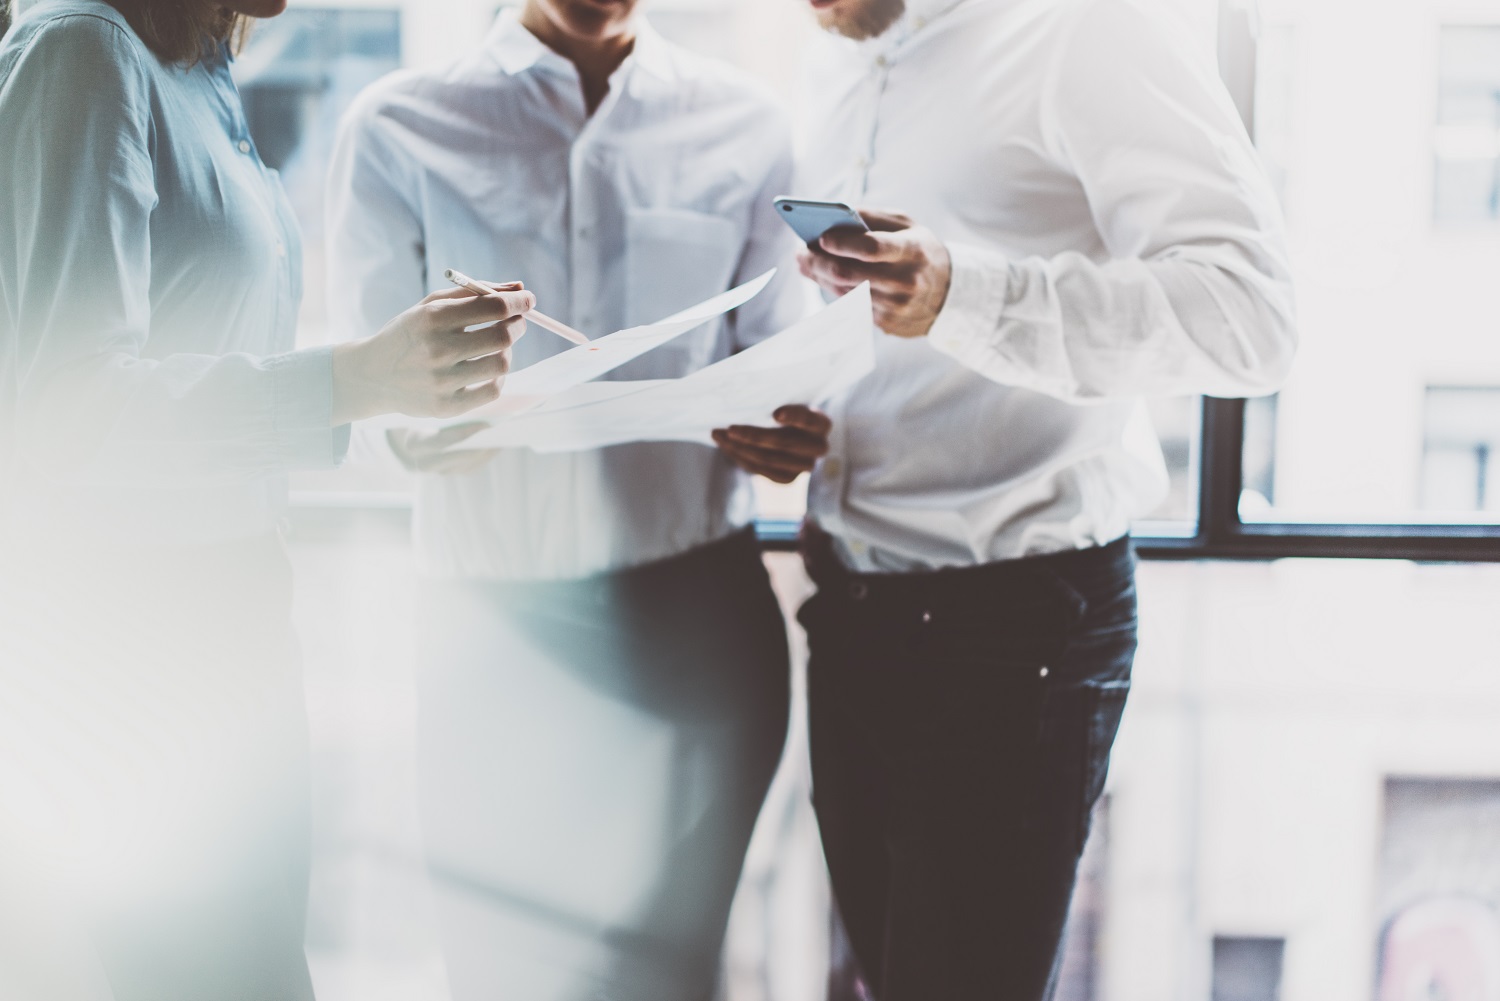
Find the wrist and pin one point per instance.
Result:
(973, 300)
(355, 396)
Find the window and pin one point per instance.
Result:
(1461, 443)
(1247, 969)
(1258, 491)
(1272, 697)
(1080, 974)
(1466, 183)
(1439, 904)
(1371, 449)
(297, 77)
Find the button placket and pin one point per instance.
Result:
(581, 235)
(825, 498)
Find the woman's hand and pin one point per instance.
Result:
(427, 451)
(426, 363)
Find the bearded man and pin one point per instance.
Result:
(1068, 217)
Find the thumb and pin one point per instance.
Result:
(874, 248)
(451, 436)
(886, 220)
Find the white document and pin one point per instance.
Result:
(808, 363)
(538, 383)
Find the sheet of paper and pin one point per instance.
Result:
(538, 383)
(807, 363)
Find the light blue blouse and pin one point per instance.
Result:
(150, 274)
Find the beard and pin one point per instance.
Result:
(862, 19)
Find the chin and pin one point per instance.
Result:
(858, 19)
(257, 8)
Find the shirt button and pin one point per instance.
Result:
(245, 146)
(1044, 672)
(863, 163)
(926, 618)
(280, 249)
(832, 467)
(882, 62)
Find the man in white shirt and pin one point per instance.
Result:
(602, 672)
(1088, 226)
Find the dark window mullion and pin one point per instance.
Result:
(1221, 471)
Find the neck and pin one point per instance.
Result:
(596, 58)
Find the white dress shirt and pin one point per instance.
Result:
(150, 271)
(658, 200)
(1113, 236)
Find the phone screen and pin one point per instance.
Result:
(811, 219)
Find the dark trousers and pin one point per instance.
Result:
(961, 724)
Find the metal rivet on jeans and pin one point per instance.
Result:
(859, 590)
(1044, 672)
(926, 616)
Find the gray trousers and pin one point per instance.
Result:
(592, 758)
(155, 767)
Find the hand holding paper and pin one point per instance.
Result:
(551, 407)
(781, 453)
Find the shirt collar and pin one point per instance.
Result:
(919, 14)
(518, 50)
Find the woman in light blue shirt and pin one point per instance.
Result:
(151, 405)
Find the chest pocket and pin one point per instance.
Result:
(675, 258)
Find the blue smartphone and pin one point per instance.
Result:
(811, 219)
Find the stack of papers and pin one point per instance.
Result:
(553, 406)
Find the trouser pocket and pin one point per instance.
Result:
(1078, 728)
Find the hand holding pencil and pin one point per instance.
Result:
(532, 315)
(443, 357)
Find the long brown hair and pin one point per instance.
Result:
(179, 31)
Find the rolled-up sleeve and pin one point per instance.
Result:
(93, 405)
(1195, 295)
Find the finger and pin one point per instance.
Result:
(869, 247)
(798, 416)
(794, 442)
(463, 461)
(397, 439)
(767, 462)
(470, 397)
(460, 292)
(845, 271)
(477, 370)
(450, 436)
(750, 465)
(455, 314)
(467, 345)
(886, 220)
(456, 292)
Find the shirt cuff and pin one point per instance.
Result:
(977, 291)
(302, 401)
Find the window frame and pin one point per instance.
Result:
(1219, 533)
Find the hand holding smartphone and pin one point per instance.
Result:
(811, 219)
